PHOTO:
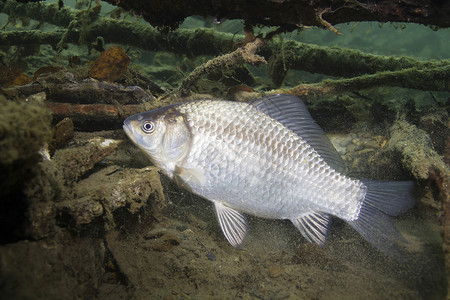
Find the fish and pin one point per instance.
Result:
(270, 159)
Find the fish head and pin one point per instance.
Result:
(163, 134)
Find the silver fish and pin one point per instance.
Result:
(267, 158)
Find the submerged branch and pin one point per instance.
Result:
(88, 91)
(419, 156)
(339, 62)
(295, 55)
(31, 37)
(44, 12)
(433, 79)
(244, 54)
(291, 14)
(96, 112)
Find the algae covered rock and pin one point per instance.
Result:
(24, 129)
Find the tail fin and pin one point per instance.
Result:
(392, 198)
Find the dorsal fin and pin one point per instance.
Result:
(290, 111)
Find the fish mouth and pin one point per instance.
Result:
(128, 130)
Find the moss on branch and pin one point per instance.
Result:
(244, 54)
(428, 79)
(370, 70)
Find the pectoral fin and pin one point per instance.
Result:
(188, 177)
(233, 223)
(313, 226)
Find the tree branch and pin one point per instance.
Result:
(292, 14)
(428, 79)
(244, 54)
(334, 61)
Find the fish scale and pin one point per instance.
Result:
(214, 153)
(267, 158)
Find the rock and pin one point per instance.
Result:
(63, 132)
(110, 189)
(211, 256)
(275, 271)
(164, 243)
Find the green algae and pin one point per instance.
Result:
(24, 129)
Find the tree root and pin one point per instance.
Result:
(425, 164)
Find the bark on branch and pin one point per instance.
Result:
(291, 14)
(244, 54)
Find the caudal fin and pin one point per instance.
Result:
(392, 198)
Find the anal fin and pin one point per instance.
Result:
(313, 226)
(234, 224)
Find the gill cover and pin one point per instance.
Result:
(177, 136)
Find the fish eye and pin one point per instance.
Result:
(148, 127)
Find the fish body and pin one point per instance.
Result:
(266, 158)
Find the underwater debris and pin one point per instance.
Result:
(245, 54)
(418, 152)
(114, 188)
(10, 76)
(424, 163)
(161, 239)
(74, 61)
(93, 91)
(434, 79)
(290, 14)
(82, 113)
(88, 101)
(24, 129)
(64, 86)
(61, 194)
(63, 132)
(46, 70)
(74, 162)
(54, 180)
(297, 56)
(111, 64)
